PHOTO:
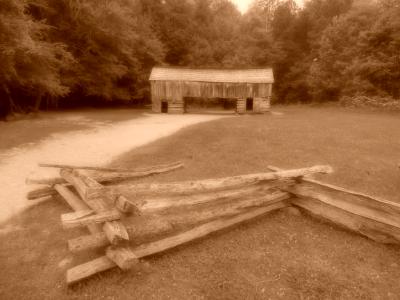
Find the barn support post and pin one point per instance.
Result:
(241, 105)
(155, 96)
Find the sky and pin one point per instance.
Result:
(244, 4)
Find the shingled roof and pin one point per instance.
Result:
(213, 75)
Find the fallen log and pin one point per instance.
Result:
(187, 187)
(103, 169)
(103, 263)
(375, 218)
(114, 176)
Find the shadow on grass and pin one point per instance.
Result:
(277, 256)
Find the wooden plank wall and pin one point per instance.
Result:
(260, 105)
(175, 91)
(241, 105)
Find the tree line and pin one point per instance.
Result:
(71, 51)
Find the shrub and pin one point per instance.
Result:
(374, 102)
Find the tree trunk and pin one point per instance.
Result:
(7, 107)
(38, 101)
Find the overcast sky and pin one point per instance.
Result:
(244, 4)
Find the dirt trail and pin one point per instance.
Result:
(96, 146)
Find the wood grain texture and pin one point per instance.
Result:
(123, 257)
(187, 187)
(88, 242)
(99, 177)
(375, 218)
(376, 231)
(156, 204)
(104, 169)
(76, 204)
(202, 231)
(148, 229)
(341, 189)
(194, 217)
(103, 263)
(125, 206)
(88, 269)
(175, 91)
(85, 218)
(93, 195)
(40, 193)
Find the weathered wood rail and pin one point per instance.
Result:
(101, 264)
(112, 175)
(375, 218)
(133, 221)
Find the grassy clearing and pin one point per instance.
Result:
(280, 256)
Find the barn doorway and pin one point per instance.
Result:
(249, 104)
(164, 107)
(210, 105)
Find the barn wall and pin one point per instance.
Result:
(156, 96)
(175, 91)
(261, 105)
(241, 105)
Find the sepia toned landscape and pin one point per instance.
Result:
(199, 149)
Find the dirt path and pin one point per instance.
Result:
(95, 146)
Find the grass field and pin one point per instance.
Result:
(278, 256)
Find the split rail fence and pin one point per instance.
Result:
(131, 221)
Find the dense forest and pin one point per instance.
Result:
(79, 51)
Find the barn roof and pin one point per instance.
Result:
(213, 75)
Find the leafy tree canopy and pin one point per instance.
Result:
(102, 49)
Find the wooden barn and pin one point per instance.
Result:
(172, 87)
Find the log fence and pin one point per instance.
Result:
(130, 221)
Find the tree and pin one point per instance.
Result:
(359, 56)
(296, 34)
(112, 42)
(30, 65)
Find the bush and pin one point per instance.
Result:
(374, 102)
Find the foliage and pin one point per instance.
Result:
(104, 50)
(113, 44)
(374, 102)
(359, 56)
(30, 64)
